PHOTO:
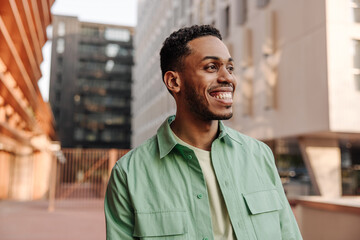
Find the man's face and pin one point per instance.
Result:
(208, 82)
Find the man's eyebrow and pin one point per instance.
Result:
(215, 58)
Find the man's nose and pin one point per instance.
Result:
(226, 76)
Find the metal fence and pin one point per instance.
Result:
(79, 177)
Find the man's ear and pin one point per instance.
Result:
(172, 81)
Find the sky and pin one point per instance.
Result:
(119, 12)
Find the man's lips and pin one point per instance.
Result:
(221, 95)
(224, 93)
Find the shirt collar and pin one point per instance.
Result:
(165, 138)
(167, 141)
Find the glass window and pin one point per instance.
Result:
(105, 101)
(61, 29)
(90, 31)
(241, 9)
(117, 34)
(60, 61)
(90, 136)
(60, 45)
(57, 113)
(57, 96)
(176, 16)
(124, 84)
(110, 135)
(115, 120)
(212, 6)
(58, 79)
(106, 136)
(79, 134)
(77, 99)
(201, 12)
(124, 52)
(227, 20)
(109, 65)
(90, 48)
(114, 67)
(120, 68)
(356, 54)
(92, 66)
(120, 85)
(357, 80)
(356, 10)
(356, 63)
(262, 3)
(112, 50)
(182, 8)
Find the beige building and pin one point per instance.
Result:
(298, 66)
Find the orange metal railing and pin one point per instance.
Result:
(79, 177)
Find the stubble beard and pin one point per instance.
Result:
(199, 106)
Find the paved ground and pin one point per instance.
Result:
(71, 220)
(32, 221)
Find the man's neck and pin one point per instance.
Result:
(194, 131)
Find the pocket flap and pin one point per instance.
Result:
(263, 201)
(164, 223)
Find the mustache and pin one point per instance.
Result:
(221, 85)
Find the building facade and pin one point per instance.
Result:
(90, 83)
(26, 121)
(297, 64)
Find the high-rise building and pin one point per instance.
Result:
(26, 121)
(90, 84)
(297, 64)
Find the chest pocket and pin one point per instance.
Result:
(162, 225)
(264, 209)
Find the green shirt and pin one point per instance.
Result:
(158, 191)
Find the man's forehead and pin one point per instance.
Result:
(209, 46)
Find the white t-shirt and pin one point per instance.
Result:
(219, 215)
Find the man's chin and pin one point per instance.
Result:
(214, 116)
(225, 117)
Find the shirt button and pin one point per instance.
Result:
(189, 157)
(205, 239)
(199, 196)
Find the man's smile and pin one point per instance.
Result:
(222, 94)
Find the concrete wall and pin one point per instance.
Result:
(295, 33)
(344, 94)
(5, 160)
(25, 176)
(299, 59)
(41, 176)
(329, 221)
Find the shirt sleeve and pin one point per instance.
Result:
(119, 214)
(289, 226)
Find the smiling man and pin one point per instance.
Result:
(197, 178)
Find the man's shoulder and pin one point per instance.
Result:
(243, 139)
(146, 151)
(255, 148)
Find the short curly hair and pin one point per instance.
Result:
(175, 48)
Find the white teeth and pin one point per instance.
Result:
(226, 95)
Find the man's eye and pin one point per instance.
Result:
(211, 67)
(230, 68)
